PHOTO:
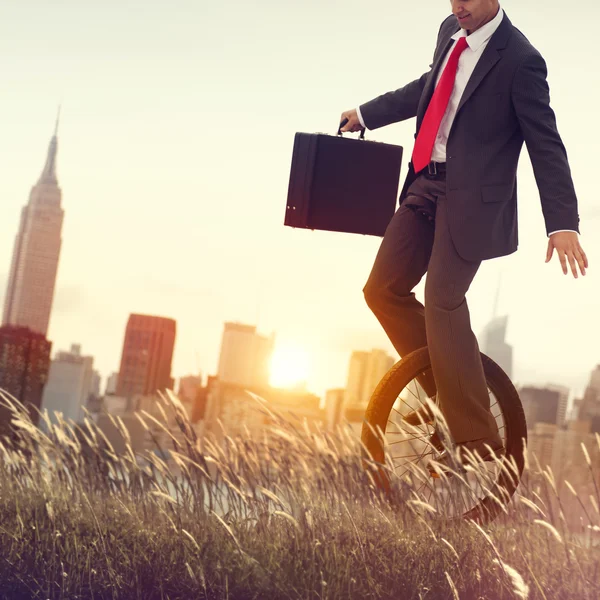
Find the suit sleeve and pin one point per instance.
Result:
(531, 101)
(395, 106)
(399, 105)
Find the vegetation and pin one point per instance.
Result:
(292, 515)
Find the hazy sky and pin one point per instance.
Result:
(174, 153)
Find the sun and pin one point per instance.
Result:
(289, 366)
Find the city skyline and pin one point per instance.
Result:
(49, 177)
(175, 199)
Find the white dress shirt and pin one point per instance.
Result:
(477, 43)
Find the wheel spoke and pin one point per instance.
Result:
(410, 437)
(420, 456)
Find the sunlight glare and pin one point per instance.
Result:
(289, 366)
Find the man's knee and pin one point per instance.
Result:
(373, 293)
(442, 295)
(380, 294)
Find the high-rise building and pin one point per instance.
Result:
(200, 405)
(589, 406)
(563, 403)
(111, 384)
(561, 450)
(541, 405)
(96, 384)
(365, 371)
(334, 407)
(24, 365)
(70, 385)
(32, 278)
(493, 343)
(379, 362)
(188, 388)
(356, 378)
(540, 444)
(147, 356)
(245, 356)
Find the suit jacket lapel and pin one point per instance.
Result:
(491, 55)
(488, 59)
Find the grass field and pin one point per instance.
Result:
(291, 516)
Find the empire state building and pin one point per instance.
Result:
(36, 251)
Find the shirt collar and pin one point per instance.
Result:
(482, 35)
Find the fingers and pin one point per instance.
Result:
(571, 259)
(581, 259)
(574, 260)
(570, 255)
(562, 256)
(353, 123)
(582, 255)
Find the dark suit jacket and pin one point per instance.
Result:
(505, 103)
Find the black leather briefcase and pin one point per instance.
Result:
(342, 184)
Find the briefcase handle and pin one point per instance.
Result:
(362, 131)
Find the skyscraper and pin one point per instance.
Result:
(541, 405)
(563, 403)
(493, 343)
(334, 407)
(147, 356)
(188, 388)
(111, 384)
(356, 377)
(365, 371)
(589, 406)
(36, 252)
(24, 364)
(70, 385)
(245, 356)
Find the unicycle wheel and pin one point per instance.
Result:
(400, 453)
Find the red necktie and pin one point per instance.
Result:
(437, 109)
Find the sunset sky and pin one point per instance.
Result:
(175, 143)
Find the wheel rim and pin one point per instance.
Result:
(407, 453)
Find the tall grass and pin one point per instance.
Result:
(293, 514)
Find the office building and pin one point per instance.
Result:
(365, 371)
(245, 356)
(492, 342)
(71, 385)
(563, 403)
(589, 405)
(334, 408)
(32, 278)
(188, 388)
(24, 366)
(561, 451)
(111, 384)
(147, 356)
(541, 405)
(540, 443)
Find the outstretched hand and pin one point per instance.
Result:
(569, 250)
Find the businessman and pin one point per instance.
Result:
(484, 95)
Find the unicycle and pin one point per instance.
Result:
(399, 452)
